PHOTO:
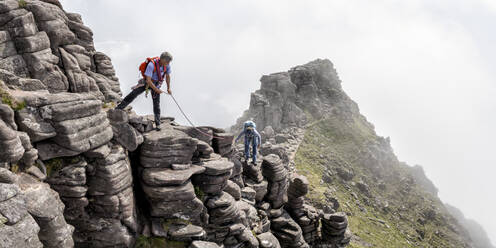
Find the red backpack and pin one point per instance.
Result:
(154, 60)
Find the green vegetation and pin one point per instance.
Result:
(3, 220)
(53, 165)
(156, 242)
(22, 3)
(109, 105)
(14, 168)
(199, 193)
(397, 213)
(167, 223)
(9, 100)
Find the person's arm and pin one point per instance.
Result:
(167, 80)
(151, 85)
(148, 78)
(239, 136)
(259, 138)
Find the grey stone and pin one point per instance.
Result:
(99, 152)
(203, 244)
(233, 189)
(45, 11)
(345, 173)
(102, 232)
(7, 49)
(110, 179)
(49, 150)
(268, 240)
(170, 193)
(247, 237)
(204, 179)
(42, 65)
(31, 44)
(7, 177)
(180, 166)
(4, 36)
(19, 83)
(7, 115)
(23, 234)
(222, 200)
(58, 31)
(127, 136)
(31, 122)
(78, 80)
(186, 233)
(105, 85)
(273, 169)
(298, 186)
(36, 172)
(167, 177)
(70, 110)
(103, 64)
(166, 147)
(81, 55)
(13, 208)
(189, 209)
(15, 64)
(8, 5)
(217, 167)
(117, 116)
(248, 193)
(9, 15)
(260, 189)
(22, 26)
(10, 144)
(287, 231)
(47, 208)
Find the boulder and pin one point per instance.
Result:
(268, 240)
(46, 207)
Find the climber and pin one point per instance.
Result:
(251, 135)
(152, 79)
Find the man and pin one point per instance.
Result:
(153, 73)
(251, 136)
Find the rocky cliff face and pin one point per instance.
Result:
(474, 230)
(309, 121)
(74, 172)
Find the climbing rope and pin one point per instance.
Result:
(191, 123)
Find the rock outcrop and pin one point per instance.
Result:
(88, 175)
(310, 124)
(74, 172)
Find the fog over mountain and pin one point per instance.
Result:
(421, 71)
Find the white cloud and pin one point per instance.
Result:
(419, 70)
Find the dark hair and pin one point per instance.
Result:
(166, 56)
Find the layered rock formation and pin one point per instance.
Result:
(76, 173)
(317, 130)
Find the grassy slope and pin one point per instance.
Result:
(332, 143)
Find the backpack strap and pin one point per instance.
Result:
(156, 68)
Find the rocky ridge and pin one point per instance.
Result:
(308, 119)
(77, 173)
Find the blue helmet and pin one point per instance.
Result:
(249, 125)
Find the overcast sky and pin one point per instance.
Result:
(421, 71)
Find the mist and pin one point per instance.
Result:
(421, 71)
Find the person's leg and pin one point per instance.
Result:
(130, 97)
(254, 150)
(247, 149)
(156, 107)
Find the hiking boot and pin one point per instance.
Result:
(157, 125)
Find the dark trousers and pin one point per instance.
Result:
(135, 93)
